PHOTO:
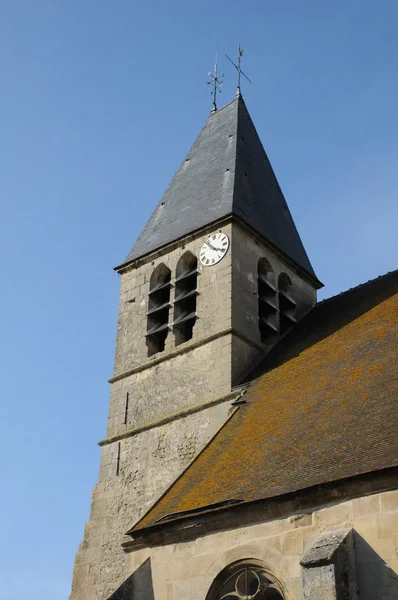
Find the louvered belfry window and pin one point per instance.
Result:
(158, 309)
(267, 302)
(185, 298)
(242, 581)
(287, 304)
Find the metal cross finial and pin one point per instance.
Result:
(216, 83)
(237, 67)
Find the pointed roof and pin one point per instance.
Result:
(226, 172)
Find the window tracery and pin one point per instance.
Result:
(245, 581)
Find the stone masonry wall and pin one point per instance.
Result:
(149, 463)
(157, 392)
(204, 368)
(213, 303)
(187, 569)
(181, 377)
(247, 250)
(247, 347)
(184, 382)
(135, 471)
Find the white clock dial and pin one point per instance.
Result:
(214, 249)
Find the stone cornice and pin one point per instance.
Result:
(183, 350)
(138, 262)
(124, 268)
(231, 397)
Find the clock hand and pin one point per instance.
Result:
(211, 246)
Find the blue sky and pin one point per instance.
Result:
(100, 103)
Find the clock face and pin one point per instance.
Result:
(214, 249)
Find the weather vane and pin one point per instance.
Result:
(237, 67)
(216, 83)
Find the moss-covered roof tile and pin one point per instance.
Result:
(322, 407)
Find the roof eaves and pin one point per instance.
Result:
(277, 506)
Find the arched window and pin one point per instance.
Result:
(158, 309)
(267, 308)
(185, 298)
(245, 580)
(287, 305)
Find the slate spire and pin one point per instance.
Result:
(226, 172)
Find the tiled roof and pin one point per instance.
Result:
(322, 408)
(226, 172)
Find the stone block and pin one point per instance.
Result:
(319, 583)
(368, 505)
(337, 515)
(292, 543)
(198, 587)
(290, 567)
(301, 520)
(271, 528)
(367, 526)
(177, 570)
(388, 524)
(105, 472)
(105, 460)
(200, 563)
(385, 547)
(98, 509)
(180, 590)
(325, 548)
(183, 550)
(270, 544)
(329, 567)
(389, 501)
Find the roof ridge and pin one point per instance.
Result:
(357, 287)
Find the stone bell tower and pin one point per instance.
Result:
(216, 278)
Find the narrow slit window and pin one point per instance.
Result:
(158, 309)
(185, 298)
(267, 302)
(118, 459)
(126, 408)
(287, 304)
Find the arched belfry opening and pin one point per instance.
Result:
(245, 580)
(287, 304)
(267, 302)
(185, 297)
(158, 309)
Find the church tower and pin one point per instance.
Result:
(218, 275)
